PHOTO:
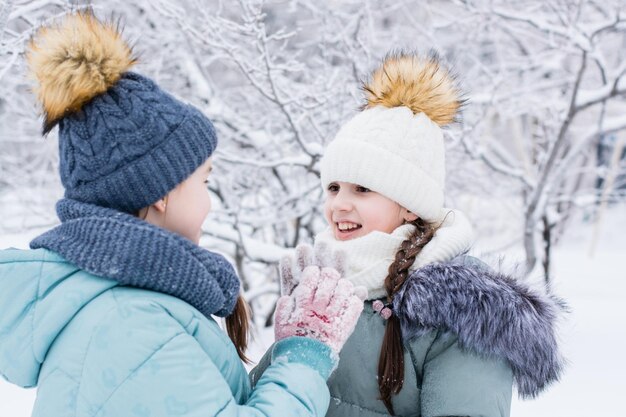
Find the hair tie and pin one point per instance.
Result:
(384, 310)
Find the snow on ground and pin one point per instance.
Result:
(593, 336)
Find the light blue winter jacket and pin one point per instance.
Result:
(94, 348)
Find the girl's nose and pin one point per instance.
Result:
(342, 202)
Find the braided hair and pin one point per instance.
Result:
(391, 360)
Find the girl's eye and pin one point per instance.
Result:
(362, 189)
(333, 188)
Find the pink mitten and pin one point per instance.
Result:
(322, 307)
(291, 267)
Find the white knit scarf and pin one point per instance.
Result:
(368, 257)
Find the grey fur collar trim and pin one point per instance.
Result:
(492, 314)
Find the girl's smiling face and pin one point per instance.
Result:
(353, 211)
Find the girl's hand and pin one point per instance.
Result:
(291, 267)
(323, 307)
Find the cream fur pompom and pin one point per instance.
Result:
(74, 61)
(419, 83)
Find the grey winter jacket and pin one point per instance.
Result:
(469, 334)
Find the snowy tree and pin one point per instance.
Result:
(551, 83)
(544, 82)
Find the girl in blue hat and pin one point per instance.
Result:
(110, 313)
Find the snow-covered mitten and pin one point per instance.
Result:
(292, 266)
(323, 307)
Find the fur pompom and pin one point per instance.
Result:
(418, 83)
(74, 61)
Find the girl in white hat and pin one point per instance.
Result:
(441, 333)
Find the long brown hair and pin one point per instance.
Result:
(391, 360)
(238, 327)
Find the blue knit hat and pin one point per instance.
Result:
(124, 143)
(130, 146)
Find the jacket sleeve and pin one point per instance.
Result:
(163, 373)
(460, 383)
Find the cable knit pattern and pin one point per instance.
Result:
(393, 152)
(368, 257)
(131, 145)
(395, 145)
(132, 252)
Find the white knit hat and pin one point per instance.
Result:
(395, 145)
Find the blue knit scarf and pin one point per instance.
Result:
(121, 247)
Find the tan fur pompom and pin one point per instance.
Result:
(74, 61)
(418, 83)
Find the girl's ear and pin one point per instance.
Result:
(161, 205)
(408, 216)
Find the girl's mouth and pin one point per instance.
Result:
(345, 230)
